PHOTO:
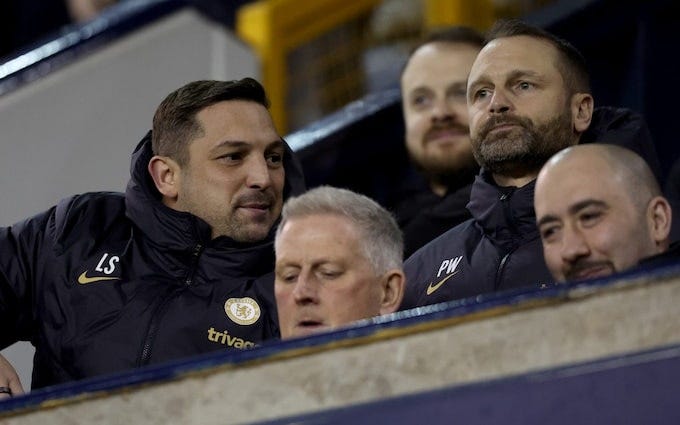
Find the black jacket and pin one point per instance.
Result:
(105, 282)
(426, 215)
(500, 248)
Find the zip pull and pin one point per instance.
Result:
(194, 262)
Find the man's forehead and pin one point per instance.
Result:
(514, 52)
(571, 185)
(438, 57)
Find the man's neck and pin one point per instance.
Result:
(507, 181)
(438, 188)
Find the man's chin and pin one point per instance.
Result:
(250, 232)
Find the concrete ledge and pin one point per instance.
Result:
(415, 351)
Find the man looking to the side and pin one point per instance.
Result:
(181, 264)
(600, 211)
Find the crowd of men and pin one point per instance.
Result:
(215, 243)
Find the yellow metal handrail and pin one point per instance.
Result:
(275, 27)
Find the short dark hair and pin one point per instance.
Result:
(455, 34)
(175, 124)
(573, 65)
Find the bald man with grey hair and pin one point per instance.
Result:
(338, 260)
(599, 211)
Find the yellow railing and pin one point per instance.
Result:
(476, 13)
(277, 28)
(274, 28)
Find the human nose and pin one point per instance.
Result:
(442, 110)
(499, 102)
(574, 245)
(259, 174)
(305, 291)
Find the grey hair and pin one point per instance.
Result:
(381, 238)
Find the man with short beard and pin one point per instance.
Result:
(180, 264)
(433, 87)
(528, 97)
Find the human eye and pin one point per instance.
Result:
(420, 100)
(458, 94)
(231, 157)
(549, 233)
(524, 85)
(480, 94)
(330, 273)
(288, 275)
(275, 159)
(591, 217)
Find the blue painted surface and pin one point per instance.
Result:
(633, 389)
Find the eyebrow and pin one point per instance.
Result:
(573, 210)
(512, 75)
(457, 85)
(517, 73)
(241, 144)
(276, 144)
(585, 204)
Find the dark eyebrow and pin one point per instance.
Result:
(276, 144)
(229, 144)
(513, 75)
(585, 204)
(519, 73)
(573, 210)
(235, 144)
(546, 219)
(457, 85)
(416, 91)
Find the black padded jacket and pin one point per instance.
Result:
(104, 282)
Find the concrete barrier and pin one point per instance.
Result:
(419, 350)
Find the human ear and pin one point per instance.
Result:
(582, 105)
(165, 174)
(392, 291)
(659, 219)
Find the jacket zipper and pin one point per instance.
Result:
(159, 312)
(198, 249)
(511, 221)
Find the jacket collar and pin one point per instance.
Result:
(505, 214)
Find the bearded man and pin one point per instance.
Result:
(528, 97)
(433, 87)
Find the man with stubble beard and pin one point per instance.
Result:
(528, 97)
(433, 86)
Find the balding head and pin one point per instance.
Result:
(599, 210)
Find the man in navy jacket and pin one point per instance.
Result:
(528, 97)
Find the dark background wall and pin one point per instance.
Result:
(633, 49)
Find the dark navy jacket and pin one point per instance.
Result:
(500, 247)
(105, 282)
(426, 215)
